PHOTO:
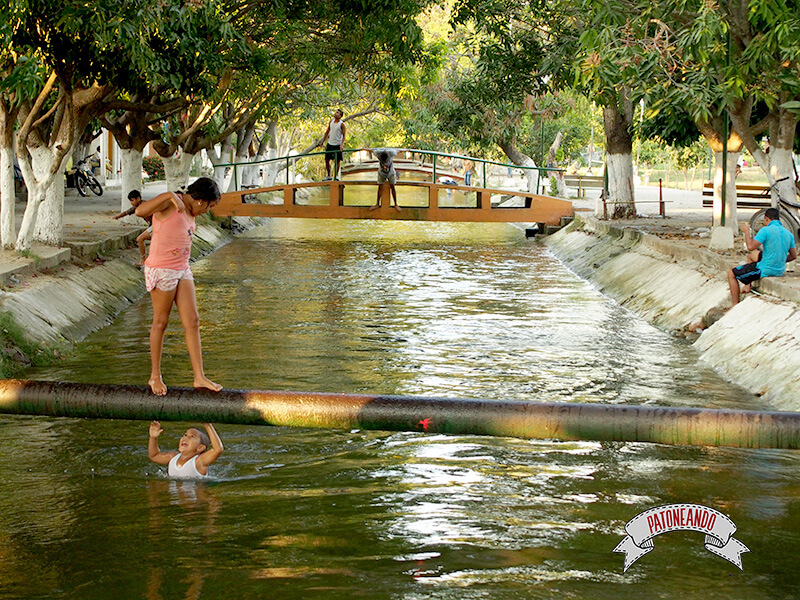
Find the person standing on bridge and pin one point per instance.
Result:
(777, 247)
(386, 173)
(168, 277)
(335, 134)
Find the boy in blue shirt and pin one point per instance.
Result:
(777, 247)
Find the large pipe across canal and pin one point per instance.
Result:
(532, 420)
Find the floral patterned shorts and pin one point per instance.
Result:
(165, 280)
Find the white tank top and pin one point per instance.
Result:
(187, 471)
(335, 135)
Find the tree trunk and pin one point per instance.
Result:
(131, 160)
(243, 175)
(8, 195)
(38, 182)
(552, 161)
(729, 211)
(619, 159)
(777, 164)
(521, 160)
(50, 221)
(271, 169)
(220, 155)
(781, 165)
(177, 169)
(711, 131)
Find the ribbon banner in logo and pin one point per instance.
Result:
(718, 529)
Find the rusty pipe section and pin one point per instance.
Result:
(601, 422)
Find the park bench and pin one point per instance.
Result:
(582, 182)
(747, 195)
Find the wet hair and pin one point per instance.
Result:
(204, 189)
(204, 439)
(384, 156)
(773, 214)
(134, 194)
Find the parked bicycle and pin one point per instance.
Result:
(85, 179)
(789, 211)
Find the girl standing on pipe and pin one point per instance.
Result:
(168, 277)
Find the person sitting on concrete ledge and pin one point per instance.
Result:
(777, 247)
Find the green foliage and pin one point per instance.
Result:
(653, 152)
(154, 167)
(690, 157)
(17, 352)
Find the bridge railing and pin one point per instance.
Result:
(487, 173)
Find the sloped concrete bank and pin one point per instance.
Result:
(57, 310)
(682, 289)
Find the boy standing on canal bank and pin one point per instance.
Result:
(777, 248)
(196, 451)
(135, 198)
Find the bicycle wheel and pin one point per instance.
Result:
(95, 186)
(80, 184)
(757, 222)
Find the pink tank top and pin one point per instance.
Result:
(171, 243)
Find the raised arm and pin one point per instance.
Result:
(153, 451)
(160, 203)
(213, 453)
(749, 241)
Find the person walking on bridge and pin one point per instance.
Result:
(335, 134)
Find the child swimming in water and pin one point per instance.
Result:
(196, 451)
(168, 277)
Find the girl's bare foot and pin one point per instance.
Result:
(157, 386)
(397, 208)
(374, 206)
(205, 383)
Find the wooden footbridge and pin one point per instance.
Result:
(355, 196)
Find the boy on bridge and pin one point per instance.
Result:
(386, 173)
(335, 134)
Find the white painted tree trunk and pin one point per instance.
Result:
(215, 155)
(238, 173)
(620, 184)
(131, 160)
(50, 221)
(38, 184)
(561, 185)
(7, 197)
(728, 215)
(780, 166)
(271, 169)
(250, 173)
(176, 169)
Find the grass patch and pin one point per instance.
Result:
(18, 353)
(29, 254)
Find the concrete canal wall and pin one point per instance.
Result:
(682, 289)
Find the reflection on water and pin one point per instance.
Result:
(402, 308)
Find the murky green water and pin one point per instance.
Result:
(402, 308)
